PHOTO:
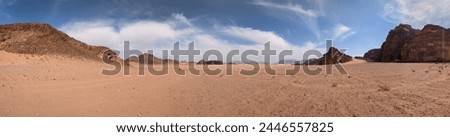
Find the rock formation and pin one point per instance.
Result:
(43, 39)
(333, 56)
(210, 62)
(432, 44)
(405, 44)
(373, 55)
(149, 59)
(395, 41)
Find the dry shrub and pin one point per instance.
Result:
(334, 85)
(384, 88)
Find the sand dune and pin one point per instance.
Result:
(58, 86)
(355, 61)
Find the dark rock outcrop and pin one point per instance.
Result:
(313, 61)
(210, 62)
(405, 44)
(149, 59)
(373, 55)
(333, 56)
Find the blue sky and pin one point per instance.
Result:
(355, 25)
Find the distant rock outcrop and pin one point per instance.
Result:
(333, 56)
(210, 62)
(43, 39)
(313, 61)
(149, 59)
(131, 59)
(405, 44)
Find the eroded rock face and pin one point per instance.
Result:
(396, 39)
(373, 55)
(432, 44)
(405, 44)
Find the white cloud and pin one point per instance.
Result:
(180, 18)
(307, 17)
(341, 32)
(153, 34)
(255, 36)
(94, 32)
(296, 8)
(159, 35)
(418, 12)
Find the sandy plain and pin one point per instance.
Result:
(57, 86)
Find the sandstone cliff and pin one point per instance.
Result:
(405, 44)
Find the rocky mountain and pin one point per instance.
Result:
(43, 39)
(333, 56)
(405, 44)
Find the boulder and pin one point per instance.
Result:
(373, 55)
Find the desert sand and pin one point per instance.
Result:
(58, 86)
